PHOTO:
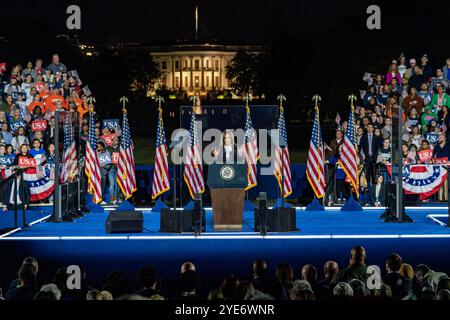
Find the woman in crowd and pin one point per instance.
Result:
(20, 139)
(378, 193)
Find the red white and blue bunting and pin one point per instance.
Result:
(41, 182)
(424, 180)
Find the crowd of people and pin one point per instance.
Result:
(423, 93)
(29, 98)
(356, 281)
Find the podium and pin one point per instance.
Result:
(227, 184)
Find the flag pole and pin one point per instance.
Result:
(281, 98)
(247, 98)
(316, 98)
(352, 98)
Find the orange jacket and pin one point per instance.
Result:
(50, 102)
(34, 104)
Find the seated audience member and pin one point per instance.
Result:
(357, 269)
(309, 273)
(149, 282)
(284, 279)
(330, 268)
(116, 283)
(48, 292)
(190, 284)
(400, 286)
(261, 281)
(359, 288)
(342, 290)
(428, 279)
(26, 288)
(301, 290)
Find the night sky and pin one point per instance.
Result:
(107, 22)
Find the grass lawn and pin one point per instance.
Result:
(144, 152)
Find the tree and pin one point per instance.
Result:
(143, 72)
(243, 72)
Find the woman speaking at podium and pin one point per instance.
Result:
(227, 180)
(228, 150)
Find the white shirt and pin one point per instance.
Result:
(228, 151)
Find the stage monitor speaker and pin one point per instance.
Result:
(170, 220)
(278, 219)
(65, 199)
(124, 222)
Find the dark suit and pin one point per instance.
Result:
(369, 147)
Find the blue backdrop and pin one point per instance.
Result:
(266, 183)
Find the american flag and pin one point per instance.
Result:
(69, 155)
(161, 181)
(193, 172)
(251, 151)
(315, 165)
(93, 164)
(349, 157)
(126, 175)
(282, 160)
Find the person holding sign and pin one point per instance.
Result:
(22, 160)
(5, 167)
(440, 156)
(113, 188)
(425, 153)
(105, 165)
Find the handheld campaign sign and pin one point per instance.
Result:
(104, 159)
(15, 95)
(7, 160)
(39, 125)
(15, 125)
(111, 123)
(425, 155)
(115, 158)
(108, 138)
(432, 137)
(441, 160)
(39, 86)
(25, 162)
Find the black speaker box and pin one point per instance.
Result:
(124, 222)
(170, 220)
(278, 219)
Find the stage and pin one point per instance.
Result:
(322, 236)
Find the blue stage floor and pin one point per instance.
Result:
(326, 235)
(310, 223)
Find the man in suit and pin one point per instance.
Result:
(369, 145)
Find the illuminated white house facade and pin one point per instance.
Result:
(196, 68)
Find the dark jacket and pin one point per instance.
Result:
(25, 293)
(400, 285)
(381, 196)
(353, 271)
